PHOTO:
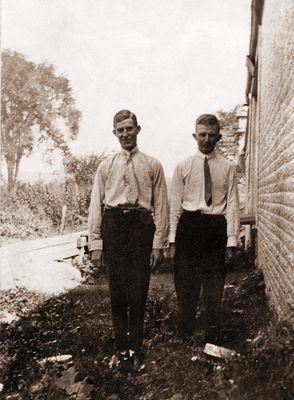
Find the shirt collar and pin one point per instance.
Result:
(130, 153)
(202, 155)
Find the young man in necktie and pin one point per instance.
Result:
(204, 228)
(128, 221)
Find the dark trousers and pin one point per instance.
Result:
(127, 245)
(199, 262)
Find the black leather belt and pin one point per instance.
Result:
(194, 212)
(200, 212)
(128, 210)
(122, 210)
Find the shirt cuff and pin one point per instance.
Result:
(96, 245)
(172, 238)
(232, 241)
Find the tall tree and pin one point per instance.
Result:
(36, 106)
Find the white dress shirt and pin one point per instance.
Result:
(187, 192)
(109, 190)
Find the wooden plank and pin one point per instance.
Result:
(247, 219)
(54, 253)
(52, 247)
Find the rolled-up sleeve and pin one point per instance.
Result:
(176, 200)
(232, 210)
(161, 208)
(95, 212)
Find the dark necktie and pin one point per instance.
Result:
(207, 183)
(132, 188)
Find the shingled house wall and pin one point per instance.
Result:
(274, 129)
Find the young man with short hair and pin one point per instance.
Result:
(129, 213)
(204, 228)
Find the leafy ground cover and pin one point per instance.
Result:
(78, 323)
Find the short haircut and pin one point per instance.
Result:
(207, 119)
(122, 115)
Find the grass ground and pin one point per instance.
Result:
(78, 323)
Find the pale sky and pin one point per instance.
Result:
(168, 61)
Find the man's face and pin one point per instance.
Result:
(126, 132)
(207, 137)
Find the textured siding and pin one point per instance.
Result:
(275, 206)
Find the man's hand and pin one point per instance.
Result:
(96, 258)
(229, 255)
(172, 250)
(156, 258)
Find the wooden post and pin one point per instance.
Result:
(63, 215)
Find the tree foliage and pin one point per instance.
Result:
(228, 145)
(228, 119)
(81, 169)
(36, 106)
(79, 173)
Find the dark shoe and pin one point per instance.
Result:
(138, 361)
(212, 337)
(126, 364)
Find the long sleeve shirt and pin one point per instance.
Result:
(109, 190)
(187, 192)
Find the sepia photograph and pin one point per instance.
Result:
(147, 200)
